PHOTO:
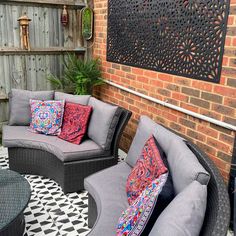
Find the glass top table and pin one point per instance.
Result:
(15, 194)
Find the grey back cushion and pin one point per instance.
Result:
(147, 127)
(19, 104)
(103, 122)
(184, 165)
(184, 216)
(81, 99)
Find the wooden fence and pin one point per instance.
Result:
(49, 41)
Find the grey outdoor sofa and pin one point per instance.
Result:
(195, 177)
(49, 156)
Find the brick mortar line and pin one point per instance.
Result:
(174, 107)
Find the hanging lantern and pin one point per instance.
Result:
(64, 16)
(24, 32)
(87, 23)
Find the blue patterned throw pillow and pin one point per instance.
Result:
(46, 116)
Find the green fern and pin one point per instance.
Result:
(56, 82)
(79, 76)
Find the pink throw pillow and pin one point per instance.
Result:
(148, 167)
(75, 122)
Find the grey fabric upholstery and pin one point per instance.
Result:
(19, 136)
(20, 107)
(185, 214)
(197, 208)
(184, 165)
(81, 99)
(103, 122)
(146, 127)
(107, 187)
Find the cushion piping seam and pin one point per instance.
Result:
(51, 145)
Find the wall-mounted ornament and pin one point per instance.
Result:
(64, 16)
(87, 16)
(24, 32)
(180, 37)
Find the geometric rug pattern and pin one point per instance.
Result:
(50, 212)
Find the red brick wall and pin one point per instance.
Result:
(213, 100)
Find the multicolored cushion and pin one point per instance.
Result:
(75, 122)
(148, 167)
(46, 116)
(165, 197)
(134, 220)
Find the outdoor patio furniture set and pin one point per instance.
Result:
(200, 203)
(197, 183)
(52, 157)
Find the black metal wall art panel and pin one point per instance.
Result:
(181, 37)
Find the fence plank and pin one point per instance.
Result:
(40, 51)
(4, 112)
(45, 24)
(2, 80)
(49, 41)
(73, 3)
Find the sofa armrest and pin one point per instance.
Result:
(124, 118)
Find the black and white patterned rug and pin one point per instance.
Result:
(50, 212)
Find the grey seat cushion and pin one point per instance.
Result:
(103, 122)
(20, 106)
(184, 165)
(81, 99)
(19, 136)
(107, 187)
(184, 216)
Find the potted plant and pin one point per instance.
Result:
(79, 76)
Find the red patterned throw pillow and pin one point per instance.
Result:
(75, 122)
(148, 167)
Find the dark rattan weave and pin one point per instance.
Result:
(14, 196)
(217, 216)
(16, 228)
(70, 175)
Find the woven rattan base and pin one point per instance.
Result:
(69, 175)
(15, 228)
